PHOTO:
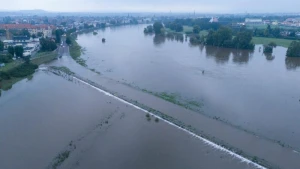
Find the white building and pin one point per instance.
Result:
(214, 20)
(44, 29)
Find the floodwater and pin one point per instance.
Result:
(256, 92)
(47, 115)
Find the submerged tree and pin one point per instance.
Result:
(158, 28)
(294, 49)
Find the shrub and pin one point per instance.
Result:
(23, 70)
(268, 49)
(294, 49)
(4, 75)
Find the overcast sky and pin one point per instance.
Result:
(200, 6)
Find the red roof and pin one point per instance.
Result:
(24, 26)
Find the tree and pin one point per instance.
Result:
(25, 32)
(292, 34)
(158, 26)
(11, 50)
(68, 40)
(102, 25)
(223, 34)
(276, 32)
(294, 49)
(243, 40)
(47, 44)
(268, 31)
(196, 29)
(1, 46)
(5, 58)
(272, 44)
(148, 29)
(268, 49)
(19, 51)
(40, 34)
(58, 34)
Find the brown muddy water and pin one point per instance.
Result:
(256, 92)
(50, 116)
(53, 118)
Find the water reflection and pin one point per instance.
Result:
(241, 56)
(269, 56)
(160, 39)
(292, 63)
(220, 55)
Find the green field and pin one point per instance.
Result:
(279, 42)
(188, 29)
(44, 57)
(39, 59)
(264, 26)
(11, 65)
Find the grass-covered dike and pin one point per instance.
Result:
(75, 52)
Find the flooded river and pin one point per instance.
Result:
(44, 118)
(248, 89)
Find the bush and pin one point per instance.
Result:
(47, 44)
(5, 58)
(4, 75)
(273, 44)
(268, 49)
(23, 70)
(294, 49)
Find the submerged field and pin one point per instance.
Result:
(89, 134)
(225, 96)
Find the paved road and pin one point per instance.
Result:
(63, 49)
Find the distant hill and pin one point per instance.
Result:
(33, 11)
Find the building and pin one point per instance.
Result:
(292, 22)
(46, 30)
(214, 20)
(251, 21)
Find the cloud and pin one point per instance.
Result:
(200, 6)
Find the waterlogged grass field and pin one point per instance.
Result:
(280, 42)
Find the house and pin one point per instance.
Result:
(252, 21)
(2, 64)
(46, 30)
(214, 20)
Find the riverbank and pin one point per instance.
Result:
(75, 52)
(39, 58)
(279, 42)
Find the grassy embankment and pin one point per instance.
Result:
(188, 30)
(75, 52)
(12, 70)
(280, 42)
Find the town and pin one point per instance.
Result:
(26, 30)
